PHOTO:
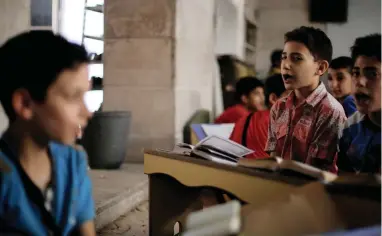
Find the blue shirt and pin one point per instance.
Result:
(360, 145)
(349, 105)
(369, 231)
(72, 203)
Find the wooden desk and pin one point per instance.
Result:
(175, 183)
(312, 210)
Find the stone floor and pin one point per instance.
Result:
(119, 191)
(134, 223)
(108, 183)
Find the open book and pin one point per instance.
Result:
(214, 148)
(293, 167)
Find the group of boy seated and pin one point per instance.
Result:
(45, 188)
(293, 116)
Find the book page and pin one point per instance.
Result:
(221, 130)
(225, 145)
(278, 164)
(180, 148)
(308, 170)
(213, 158)
(266, 163)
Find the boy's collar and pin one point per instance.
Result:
(313, 99)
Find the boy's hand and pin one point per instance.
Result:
(87, 229)
(273, 154)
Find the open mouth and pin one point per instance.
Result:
(362, 97)
(287, 78)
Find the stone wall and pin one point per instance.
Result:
(158, 64)
(363, 19)
(139, 70)
(274, 18)
(14, 18)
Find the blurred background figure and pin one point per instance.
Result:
(249, 97)
(275, 62)
(340, 83)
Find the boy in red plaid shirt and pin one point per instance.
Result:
(304, 125)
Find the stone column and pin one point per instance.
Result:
(195, 60)
(160, 65)
(139, 70)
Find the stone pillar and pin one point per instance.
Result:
(139, 70)
(14, 18)
(159, 63)
(195, 61)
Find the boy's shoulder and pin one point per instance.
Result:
(65, 149)
(349, 99)
(352, 126)
(323, 103)
(238, 108)
(349, 105)
(67, 153)
(232, 114)
(354, 119)
(329, 104)
(281, 103)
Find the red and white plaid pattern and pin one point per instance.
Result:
(308, 131)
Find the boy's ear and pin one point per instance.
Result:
(22, 104)
(322, 67)
(244, 99)
(272, 99)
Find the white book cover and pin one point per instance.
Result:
(221, 130)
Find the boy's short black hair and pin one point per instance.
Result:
(314, 39)
(33, 60)
(245, 86)
(369, 46)
(342, 63)
(276, 57)
(274, 84)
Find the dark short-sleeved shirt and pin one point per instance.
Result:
(360, 145)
